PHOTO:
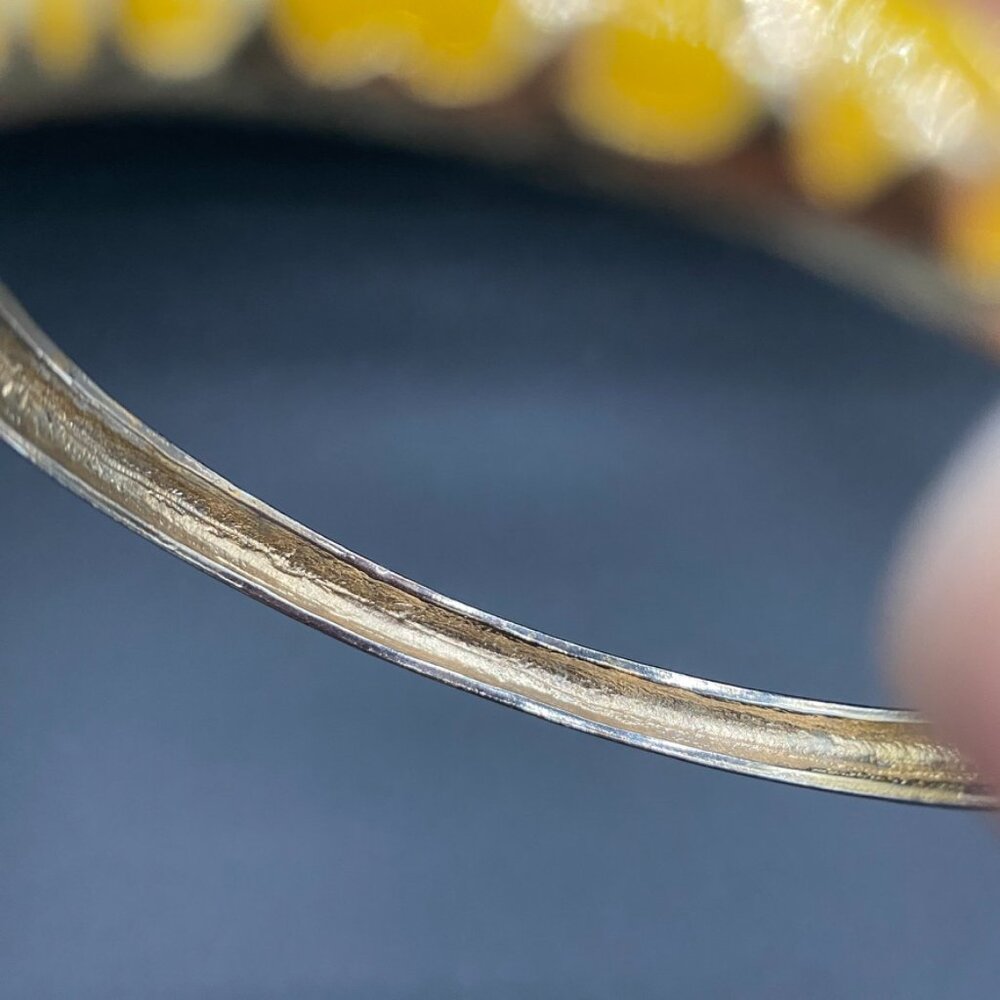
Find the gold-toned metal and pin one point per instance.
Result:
(57, 418)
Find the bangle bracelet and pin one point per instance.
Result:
(57, 418)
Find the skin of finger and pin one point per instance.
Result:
(942, 637)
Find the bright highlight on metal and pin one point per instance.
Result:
(57, 418)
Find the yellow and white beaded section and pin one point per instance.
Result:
(447, 52)
(874, 89)
(870, 87)
(866, 90)
(173, 39)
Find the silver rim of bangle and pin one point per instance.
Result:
(62, 422)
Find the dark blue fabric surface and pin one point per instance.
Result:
(584, 418)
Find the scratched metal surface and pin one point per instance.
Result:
(203, 800)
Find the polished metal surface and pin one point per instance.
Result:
(57, 418)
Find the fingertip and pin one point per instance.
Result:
(942, 631)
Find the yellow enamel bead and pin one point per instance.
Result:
(339, 42)
(5, 40)
(653, 80)
(468, 50)
(839, 156)
(63, 34)
(445, 51)
(180, 38)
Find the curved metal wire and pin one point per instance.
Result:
(57, 418)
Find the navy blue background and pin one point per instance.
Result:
(585, 418)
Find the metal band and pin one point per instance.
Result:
(57, 418)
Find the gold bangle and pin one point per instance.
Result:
(57, 418)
